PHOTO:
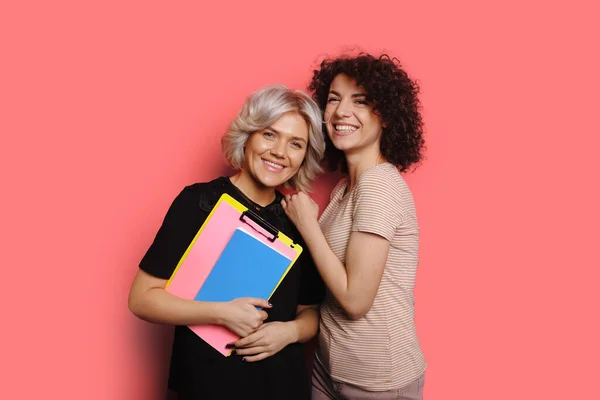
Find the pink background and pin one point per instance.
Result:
(107, 109)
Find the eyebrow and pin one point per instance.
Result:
(270, 128)
(353, 96)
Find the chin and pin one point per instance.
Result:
(270, 183)
(343, 145)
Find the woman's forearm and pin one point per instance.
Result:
(159, 306)
(355, 284)
(306, 325)
(330, 267)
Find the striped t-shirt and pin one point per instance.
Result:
(379, 351)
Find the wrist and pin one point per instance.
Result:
(293, 332)
(308, 225)
(219, 313)
(203, 313)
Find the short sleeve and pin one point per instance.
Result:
(312, 288)
(377, 205)
(178, 229)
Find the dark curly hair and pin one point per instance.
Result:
(393, 96)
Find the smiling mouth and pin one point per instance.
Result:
(344, 129)
(271, 166)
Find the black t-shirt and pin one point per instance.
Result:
(197, 370)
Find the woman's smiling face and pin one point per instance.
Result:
(274, 155)
(352, 123)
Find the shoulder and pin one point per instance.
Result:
(384, 185)
(383, 178)
(197, 188)
(189, 201)
(205, 194)
(339, 188)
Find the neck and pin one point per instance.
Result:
(261, 195)
(360, 161)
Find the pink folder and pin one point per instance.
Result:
(206, 248)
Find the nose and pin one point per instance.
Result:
(343, 109)
(278, 149)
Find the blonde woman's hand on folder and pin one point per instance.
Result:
(301, 209)
(269, 339)
(242, 317)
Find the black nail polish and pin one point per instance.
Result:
(230, 346)
(234, 353)
(244, 359)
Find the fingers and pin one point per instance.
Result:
(255, 324)
(262, 326)
(305, 195)
(290, 198)
(249, 340)
(251, 351)
(244, 332)
(257, 357)
(258, 302)
(301, 196)
(252, 339)
(263, 315)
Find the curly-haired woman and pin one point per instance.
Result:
(276, 139)
(365, 244)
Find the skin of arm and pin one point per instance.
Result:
(272, 337)
(354, 285)
(149, 301)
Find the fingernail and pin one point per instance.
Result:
(234, 353)
(230, 346)
(270, 305)
(244, 359)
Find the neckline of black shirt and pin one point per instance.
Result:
(253, 204)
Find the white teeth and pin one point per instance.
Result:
(345, 128)
(270, 164)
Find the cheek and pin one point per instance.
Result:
(297, 158)
(332, 137)
(374, 121)
(258, 146)
(329, 127)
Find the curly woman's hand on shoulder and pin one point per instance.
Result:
(301, 209)
(242, 317)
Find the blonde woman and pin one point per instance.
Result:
(276, 139)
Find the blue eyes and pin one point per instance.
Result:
(271, 136)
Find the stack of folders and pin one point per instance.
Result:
(234, 254)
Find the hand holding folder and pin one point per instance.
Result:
(234, 254)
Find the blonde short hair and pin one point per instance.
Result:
(260, 110)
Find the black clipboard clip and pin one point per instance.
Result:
(256, 222)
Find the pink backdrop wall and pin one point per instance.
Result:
(107, 109)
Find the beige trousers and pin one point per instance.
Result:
(325, 388)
